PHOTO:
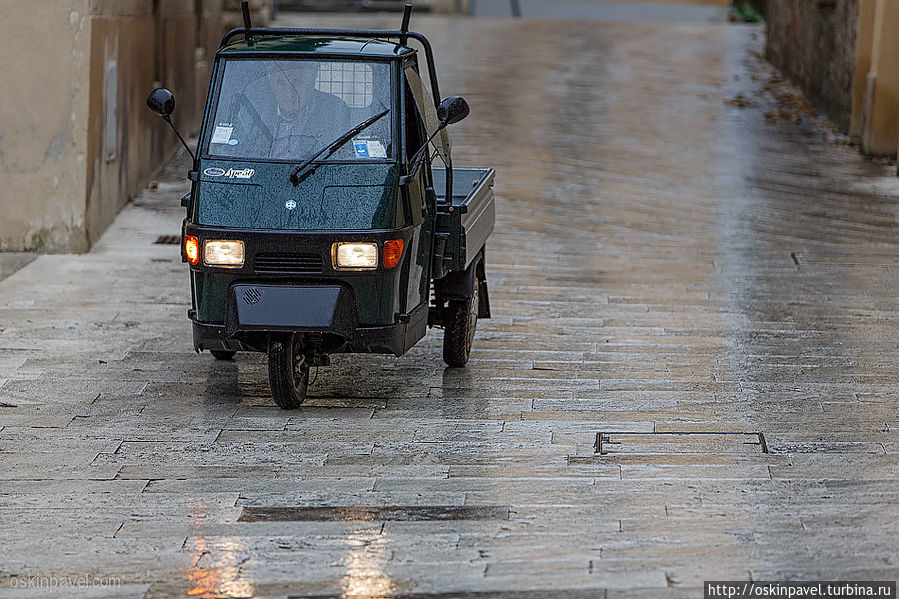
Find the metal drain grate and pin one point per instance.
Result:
(374, 513)
(168, 240)
(623, 442)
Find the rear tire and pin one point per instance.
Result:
(461, 321)
(222, 354)
(288, 371)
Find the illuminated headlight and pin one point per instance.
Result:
(355, 256)
(218, 252)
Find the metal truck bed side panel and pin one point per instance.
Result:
(471, 216)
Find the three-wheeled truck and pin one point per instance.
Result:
(316, 222)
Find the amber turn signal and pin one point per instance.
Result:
(192, 249)
(393, 251)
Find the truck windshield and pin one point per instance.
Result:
(286, 110)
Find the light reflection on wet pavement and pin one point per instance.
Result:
(670, 273)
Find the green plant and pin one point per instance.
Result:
(747, 14)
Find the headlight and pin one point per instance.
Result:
(218, 252)
(354, 256)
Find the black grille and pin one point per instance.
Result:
(289, 263)
(252, 296)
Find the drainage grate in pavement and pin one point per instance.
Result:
(554, 594)
(620, 442)
(373, 513)
(168, 240)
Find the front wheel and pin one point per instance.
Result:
(461, 320)
(288, 370)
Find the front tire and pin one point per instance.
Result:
(461, 321)
(288, 371)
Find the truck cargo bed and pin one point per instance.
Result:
(468, 219)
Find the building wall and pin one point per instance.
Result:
(43, 125)
(209, 34)
(76, 138)
(863, 50)
(150, 44)
(813, 43)
(875, 111)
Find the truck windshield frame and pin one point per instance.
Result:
(266, 133)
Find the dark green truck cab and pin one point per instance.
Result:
(316, 222)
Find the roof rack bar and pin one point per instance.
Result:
(362, 34)
(247, 25)
(407, 14)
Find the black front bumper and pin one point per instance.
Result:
(394, 339)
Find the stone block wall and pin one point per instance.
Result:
(813, 42)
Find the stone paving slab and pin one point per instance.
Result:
(128, 591)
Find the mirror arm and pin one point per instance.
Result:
(168, 120)
(417, 157)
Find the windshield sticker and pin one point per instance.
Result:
(222, 134)
(376, 149)
(369, 148)
(361, 148)
(233, 142)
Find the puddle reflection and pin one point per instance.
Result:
(219, 582)
(366, 565)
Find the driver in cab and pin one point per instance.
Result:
(305, 115)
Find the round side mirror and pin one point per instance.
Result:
(452, 110)
(161, 101)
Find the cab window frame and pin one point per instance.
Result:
(411, 108)
(215, 98)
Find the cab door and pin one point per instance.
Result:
(418, 196)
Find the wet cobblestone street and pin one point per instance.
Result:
(691, 373)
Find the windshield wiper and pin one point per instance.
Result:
(332, 147)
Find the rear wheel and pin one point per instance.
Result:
(222, 354)
(288, 370)
(461, 320)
